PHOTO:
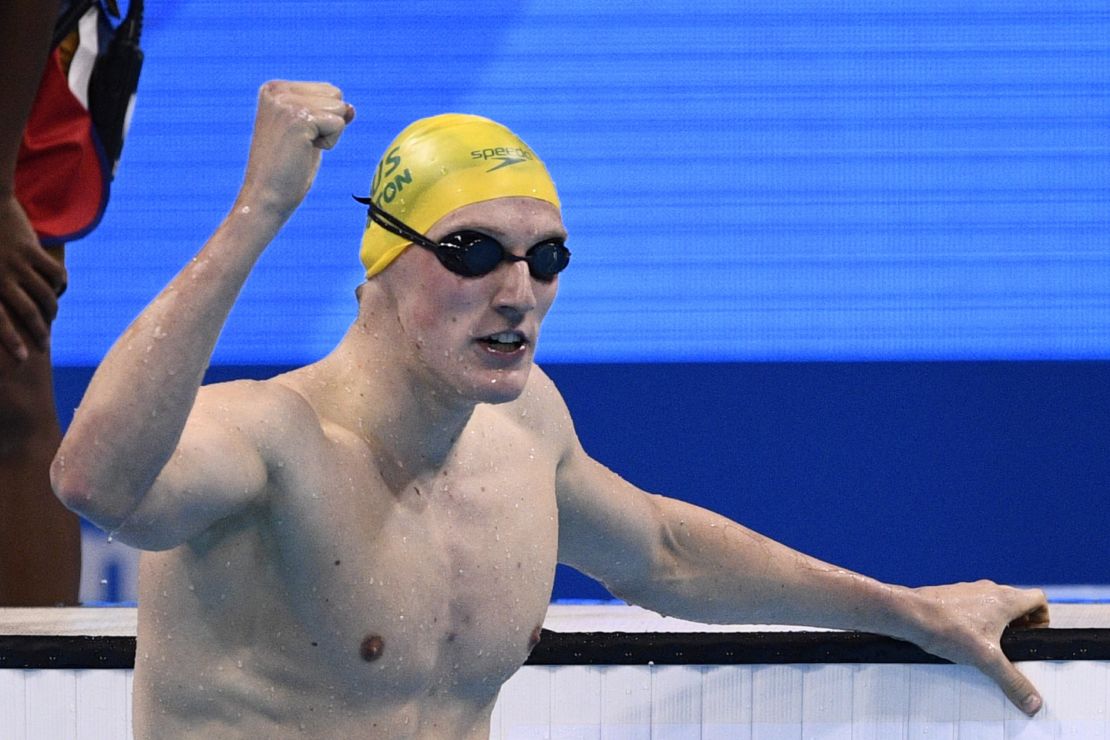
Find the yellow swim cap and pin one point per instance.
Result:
(442, 163)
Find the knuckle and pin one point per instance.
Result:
(270, 87)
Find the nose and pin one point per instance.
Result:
(516, 294)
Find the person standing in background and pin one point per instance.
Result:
(68, 83)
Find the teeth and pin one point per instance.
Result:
(506, 337)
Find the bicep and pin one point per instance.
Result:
(608, 528)
(216, 469)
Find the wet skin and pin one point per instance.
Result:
(396, 569)
(364, 547)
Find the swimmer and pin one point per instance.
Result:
(365, 546)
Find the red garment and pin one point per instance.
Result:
(62, 176)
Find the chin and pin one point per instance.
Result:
(501, 387)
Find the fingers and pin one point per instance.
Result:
(28, 302)
(1031, 606)
(49, 270)
(1034, 609)
(300, 87)
(10, 339)
(30, 281)
(966, 625)
(317, 103)
(332, 118)
(295, 120)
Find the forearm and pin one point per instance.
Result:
(140, 397)
(711, 569)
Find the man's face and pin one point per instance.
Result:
(476, 336)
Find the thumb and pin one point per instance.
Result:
(1018, 689)
(331, 126)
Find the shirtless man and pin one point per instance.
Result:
(365, 546)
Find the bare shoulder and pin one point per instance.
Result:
(266, 410)
(542, 410)
(237, 435)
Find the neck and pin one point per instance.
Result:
(370, 388)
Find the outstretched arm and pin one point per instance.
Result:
(682, 560)
(139, 411)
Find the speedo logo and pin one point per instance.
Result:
(505, 156)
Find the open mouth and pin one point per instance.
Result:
(505, 341)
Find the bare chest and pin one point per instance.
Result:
(440, 587)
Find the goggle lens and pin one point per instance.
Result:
(473, 254)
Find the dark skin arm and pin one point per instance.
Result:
(30, 280)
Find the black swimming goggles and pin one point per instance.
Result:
(472, 253)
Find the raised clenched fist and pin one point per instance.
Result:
(295, 121)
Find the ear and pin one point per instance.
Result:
(375, 295)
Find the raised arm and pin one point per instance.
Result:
(141, 410)
(684, 561)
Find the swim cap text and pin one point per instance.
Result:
(393, 183)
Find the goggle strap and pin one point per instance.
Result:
(392, 224)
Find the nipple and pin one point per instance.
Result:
(535, 637)
(371, 648)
